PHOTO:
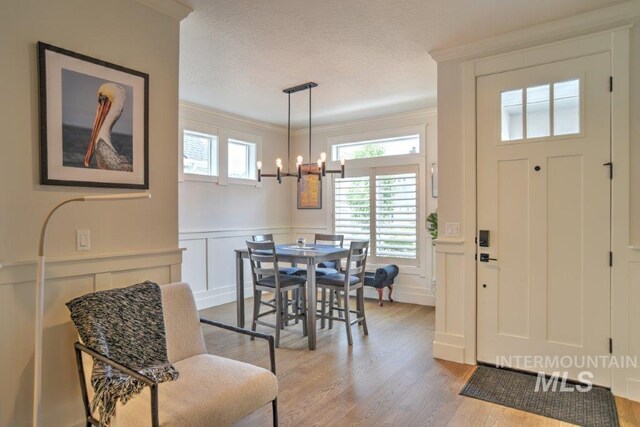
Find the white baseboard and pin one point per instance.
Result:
(448, 347)
(409, 295)
(217, 297)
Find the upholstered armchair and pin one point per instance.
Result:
(209, 391)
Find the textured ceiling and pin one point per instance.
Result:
(369, 57)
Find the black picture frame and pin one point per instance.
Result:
(60, 69)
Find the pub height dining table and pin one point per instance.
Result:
(310, 255)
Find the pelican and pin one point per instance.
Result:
(111, 99)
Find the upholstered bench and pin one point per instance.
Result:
(384, 276)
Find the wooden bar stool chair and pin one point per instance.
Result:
(267, 278)
(294, 302)
(342, 284)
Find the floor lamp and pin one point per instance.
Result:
(37, 361)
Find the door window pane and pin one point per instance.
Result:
(512, 115)
(566, 107)
(538, 112)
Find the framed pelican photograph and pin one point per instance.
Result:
(94, 121)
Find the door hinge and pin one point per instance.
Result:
(610, 259)
(476, 257)
(610, 83)
(610, 345)
(610, 164)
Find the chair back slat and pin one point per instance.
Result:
(262, 237)
(357, 259)
(331, 239)
(261, 253)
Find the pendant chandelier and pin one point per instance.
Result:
(321, 163)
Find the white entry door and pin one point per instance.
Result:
(543, 139)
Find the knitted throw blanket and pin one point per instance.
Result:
(127, 326)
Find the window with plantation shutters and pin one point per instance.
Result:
(352, 208)
(396, 216)
(380, 205)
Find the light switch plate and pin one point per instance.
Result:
(83, 240)
(453, 229)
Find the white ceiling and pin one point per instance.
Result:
(369, 57)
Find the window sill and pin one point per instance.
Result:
(199, 178)
(243, 181)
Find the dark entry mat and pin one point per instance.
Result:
(517, 390)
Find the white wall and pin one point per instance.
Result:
(131, 241)
(215, 218)
(413, 285)
(455, 319)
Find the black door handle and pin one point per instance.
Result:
(485, 258)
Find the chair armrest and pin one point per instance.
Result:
(269, 338)
(122, 368)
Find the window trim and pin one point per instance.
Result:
(189, 126)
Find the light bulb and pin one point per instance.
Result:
(319, 163)
(279, 162)
(323, 156)
(259, 164)
(300, 159)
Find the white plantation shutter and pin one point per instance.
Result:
(380, 206)
(396, 216)
(352, 208)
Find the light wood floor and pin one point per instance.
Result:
(386, 379)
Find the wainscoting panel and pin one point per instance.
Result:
(194, 269)
(66, 279)
(449, 337)
(413, 285)
(209, 263)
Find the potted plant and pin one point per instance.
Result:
(432, 226)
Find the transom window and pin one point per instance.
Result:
(395, 146)
(242, 159)
(380, 206)
(199, 152)
(541, 111)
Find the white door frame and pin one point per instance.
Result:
(617, 42)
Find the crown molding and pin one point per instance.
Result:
(171, 8)
(198, 109)
(566, 27)
(415, 114)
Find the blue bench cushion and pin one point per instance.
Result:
(383, 276)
